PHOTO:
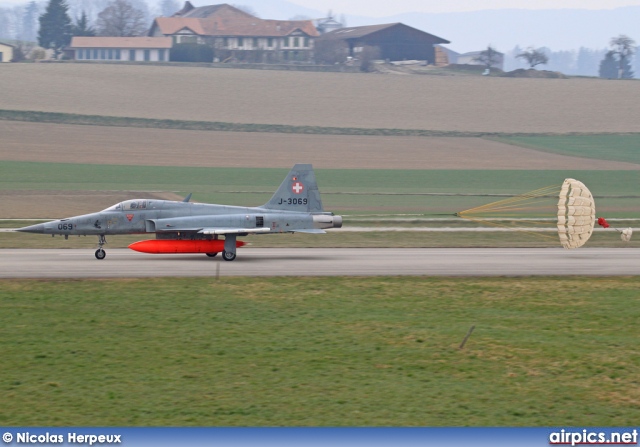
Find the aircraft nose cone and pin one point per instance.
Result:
(37, 228)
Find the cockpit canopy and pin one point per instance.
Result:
(129, 205)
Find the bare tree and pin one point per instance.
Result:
(488, 57)
(121, 19)
(623, 48)
(368, 55)
(534, 57)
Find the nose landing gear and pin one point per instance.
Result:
(100, 253)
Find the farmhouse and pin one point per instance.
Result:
(394, 41)
(149, 49)
(236, 35)
(6, 52)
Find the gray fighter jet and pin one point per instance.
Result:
(185, 227)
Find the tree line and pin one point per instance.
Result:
(619, 60)
(20, 23)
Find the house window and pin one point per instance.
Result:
(103, 54)
(147, 55)
(79, 54)
(132, 55)
(118, 55)
(188, 39)
(270, 42)
(296, 42)
(240, 42)
(306, 42)
(110, 54)
(255, 42)
(95, 54)
(161, 55)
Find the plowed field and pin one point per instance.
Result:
(454, 103)
(162, 147)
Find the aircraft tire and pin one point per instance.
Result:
(100, 254)
(228, 256)
(212, 255)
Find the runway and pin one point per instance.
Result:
(123, 263)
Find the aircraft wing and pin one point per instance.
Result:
(310, 231)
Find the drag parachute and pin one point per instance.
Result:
(576, 214)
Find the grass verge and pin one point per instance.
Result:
(320, 352)
(342, 239)
(620, 147)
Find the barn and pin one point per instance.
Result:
(395, 41)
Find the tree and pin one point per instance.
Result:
(608, 67)
(488, 57)
(29, 22)
(623, 48)
(588, 60)
(121, 19)
(55, 26)
(534, 57)
(82, 28)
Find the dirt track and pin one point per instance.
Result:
(455, 103)
(158, 147)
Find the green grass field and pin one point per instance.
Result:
(344, 190)
(622, 147)
(320, 352)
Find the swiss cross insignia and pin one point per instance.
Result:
(297, 188)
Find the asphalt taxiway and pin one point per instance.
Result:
(123, 263)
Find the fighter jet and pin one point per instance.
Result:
(186, 227)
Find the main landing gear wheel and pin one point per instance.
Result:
(212, 255)
(228, 256)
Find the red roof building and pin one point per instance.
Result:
(237, 35)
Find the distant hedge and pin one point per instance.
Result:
(191, 52)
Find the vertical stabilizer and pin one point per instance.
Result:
(298, 192)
